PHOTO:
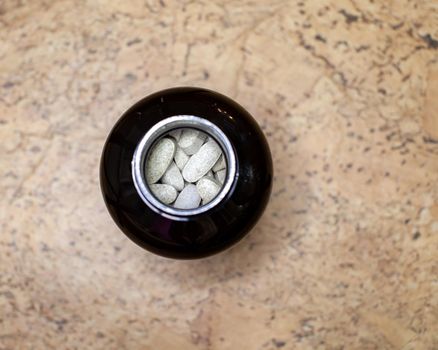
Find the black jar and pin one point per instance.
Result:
(176, 233)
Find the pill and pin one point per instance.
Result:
(201, 162)
(180, 158)
(208, 188)
(159, 159)
(188, 198)
(191, 140)
(173, 177)
(220, 175)
(220, 164)
(176, 134)
(164, 193)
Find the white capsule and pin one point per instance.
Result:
(191, 140)
(208, 188)
(188, 198)
(180, 158)
(201, 162)
(173, 177)
(176, 134)
(220, 164)
(220, 175)
(159, 159)
(164, 193)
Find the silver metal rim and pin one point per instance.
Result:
(158, 130)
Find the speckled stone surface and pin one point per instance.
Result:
(345, 256)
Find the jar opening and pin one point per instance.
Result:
(184, 166)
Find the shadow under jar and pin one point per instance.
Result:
(211, 226)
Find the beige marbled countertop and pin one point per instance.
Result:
(346, 255)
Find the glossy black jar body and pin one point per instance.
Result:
(209, 232)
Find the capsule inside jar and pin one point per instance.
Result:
(185, 168)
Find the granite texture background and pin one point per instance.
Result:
(346, 255)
